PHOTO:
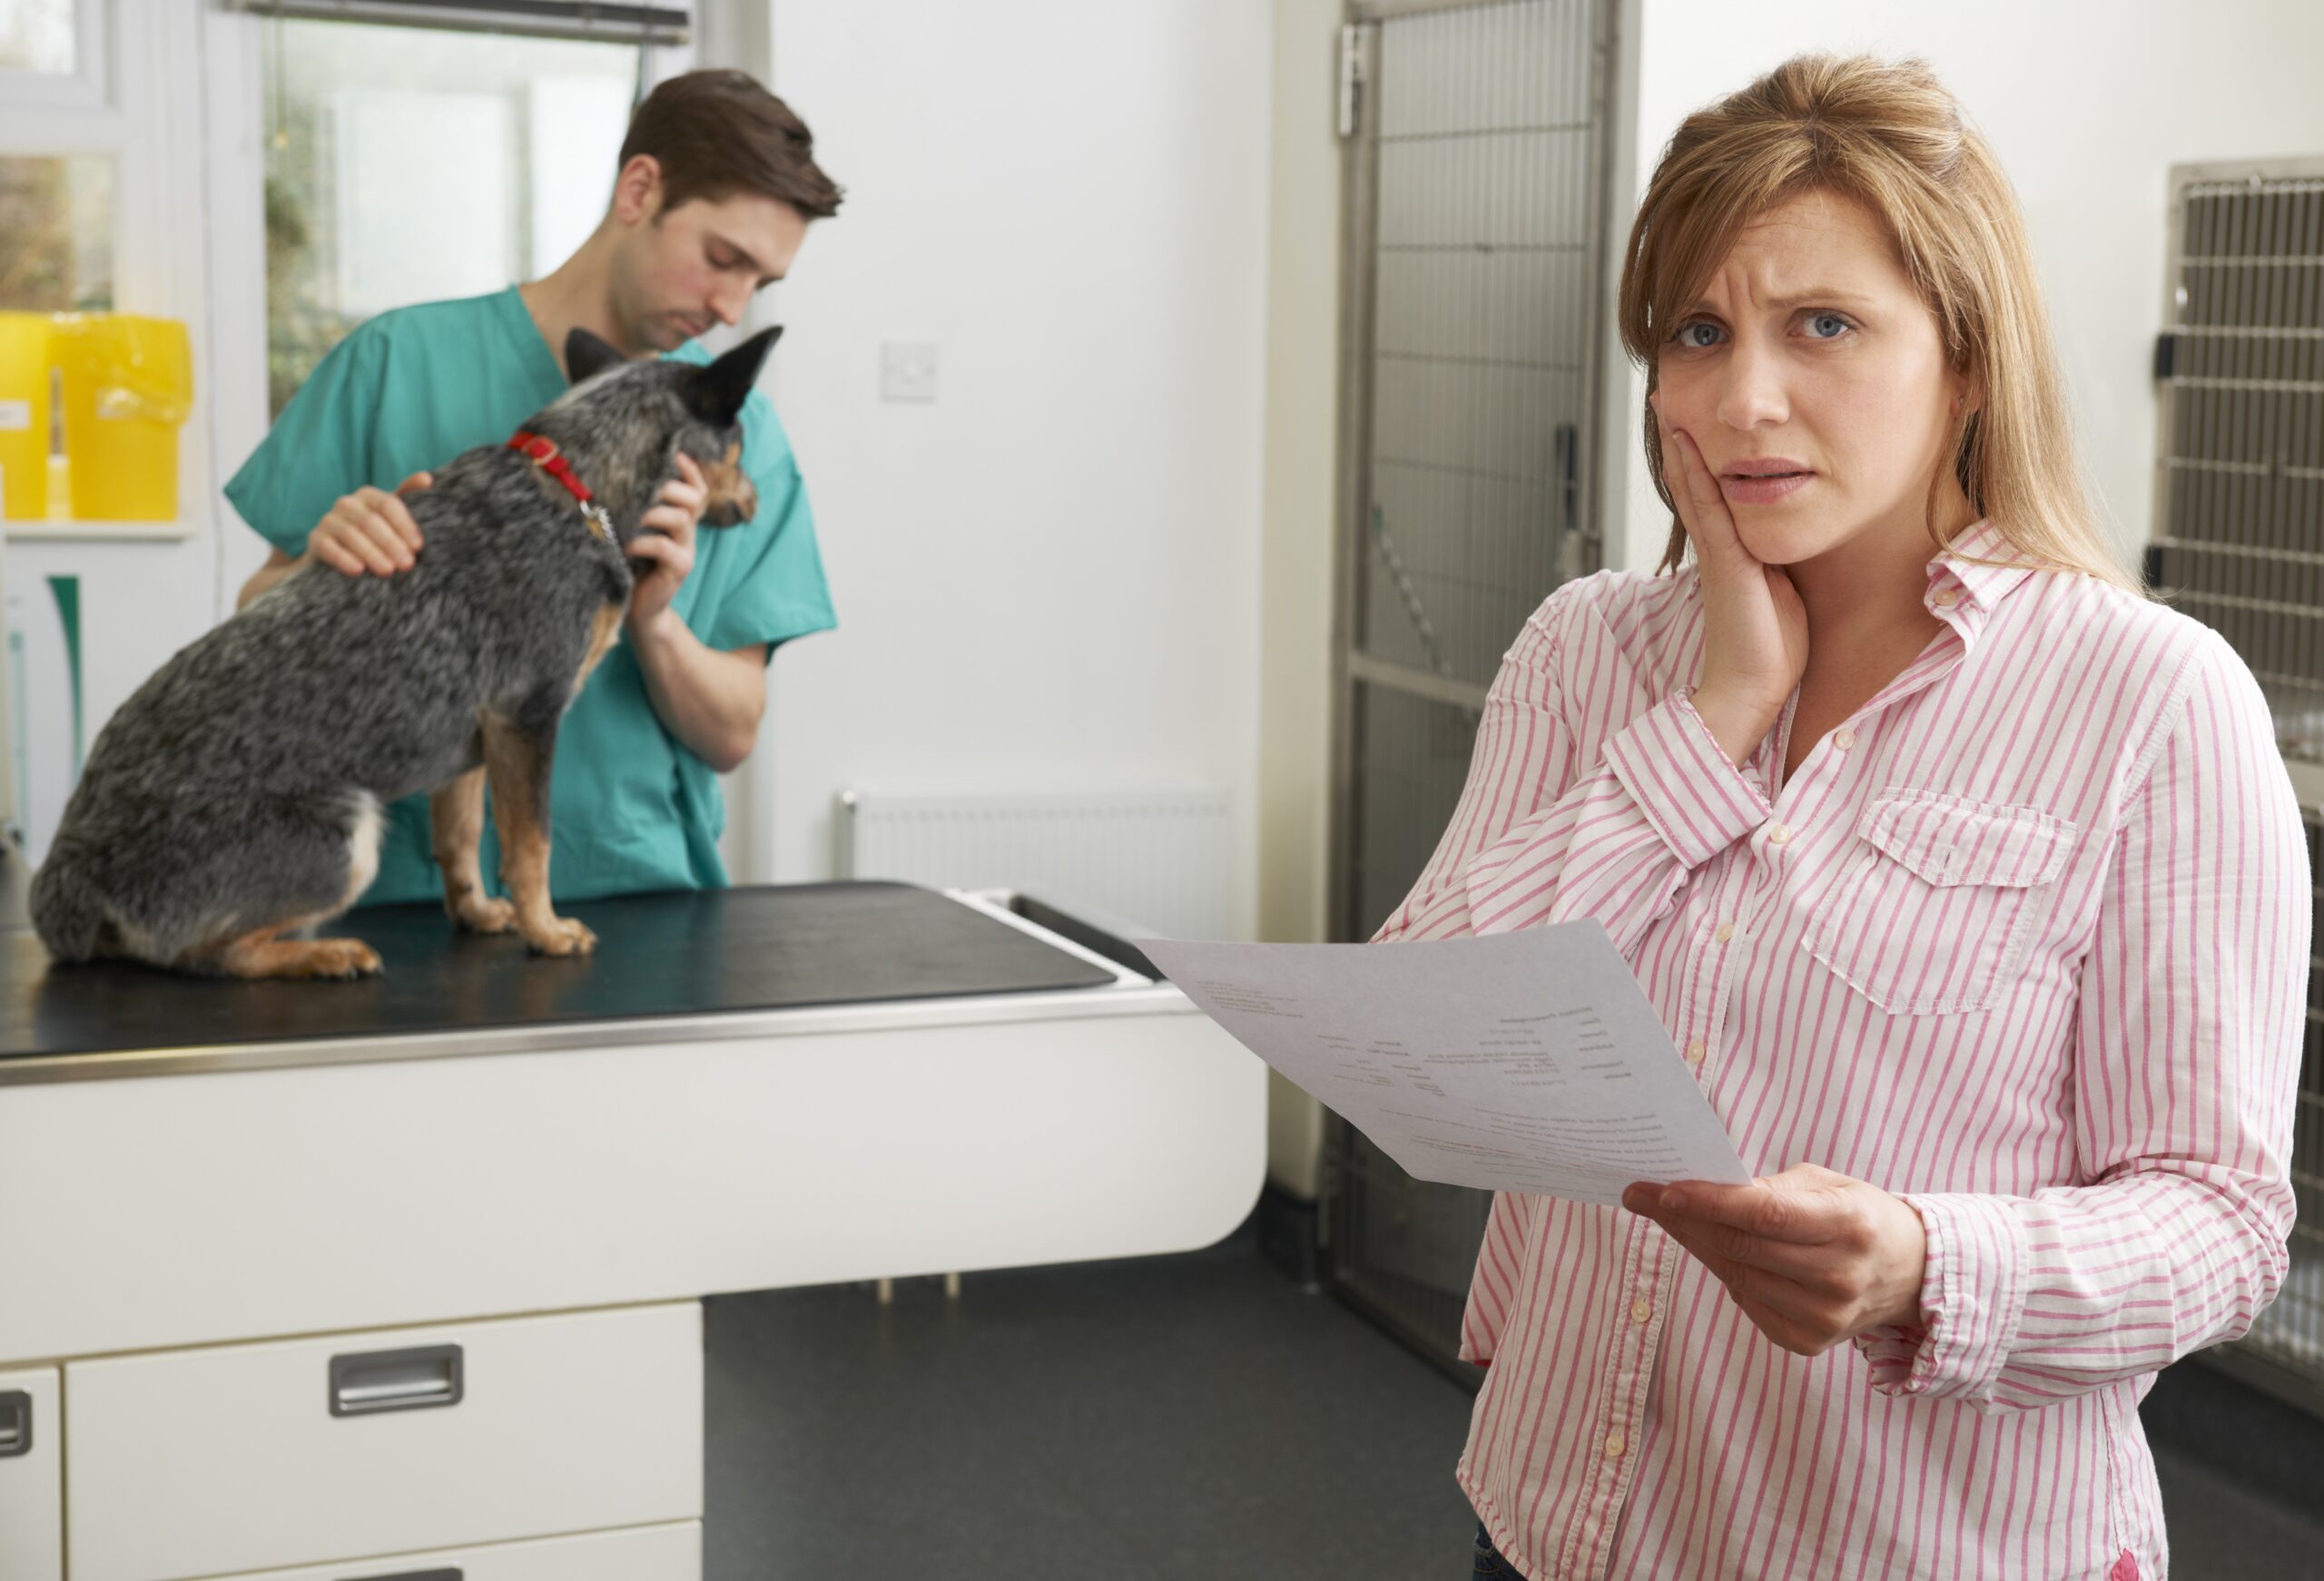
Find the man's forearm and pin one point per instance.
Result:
(710, 701)
(276, 568)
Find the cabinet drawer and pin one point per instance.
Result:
(198, 1463)
(32, 1480)
(663, 1553)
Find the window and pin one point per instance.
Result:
(409, 164)
(39, 35)
(55, 233)
(59, 142)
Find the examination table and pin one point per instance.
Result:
(399, 1280)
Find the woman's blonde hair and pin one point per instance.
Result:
(1890, 137)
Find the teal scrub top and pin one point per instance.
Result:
(630, 807)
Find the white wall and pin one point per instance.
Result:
(2088, 104)
(1049, 577)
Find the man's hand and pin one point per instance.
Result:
(665, 541)
(371, 530)
(1813, 1258)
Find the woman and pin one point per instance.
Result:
(1967, 878)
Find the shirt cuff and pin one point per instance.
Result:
(1690, 791)
(1973, 1298)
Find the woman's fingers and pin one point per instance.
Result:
(1708, 521)
(1701, 506)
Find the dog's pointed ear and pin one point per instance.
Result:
(586, 355)
(725, 384)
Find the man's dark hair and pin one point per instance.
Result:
(716, 134)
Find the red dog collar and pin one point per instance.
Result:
(546, 456)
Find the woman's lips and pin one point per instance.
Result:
(1763, 487)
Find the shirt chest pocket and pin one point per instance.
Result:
(1932, 911)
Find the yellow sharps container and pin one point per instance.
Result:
(25, 340)
(128, 385)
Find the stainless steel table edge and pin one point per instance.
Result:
(1128, 995)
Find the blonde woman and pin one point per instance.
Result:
(1966, 878)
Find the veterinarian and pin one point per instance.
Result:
(1967, 878)
(717, 187)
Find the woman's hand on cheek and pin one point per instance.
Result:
(1755, 628)
(1813, 1258)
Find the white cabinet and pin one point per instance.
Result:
(663, 1553)
(32, 1480)
(250, 1458)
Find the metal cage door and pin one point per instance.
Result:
(2238, 544)
(1476, 137)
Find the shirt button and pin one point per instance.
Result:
(1945, 596)
(1695, 1052)
(1779, 835)
(1726, 932)
(1844, 738)
(1616, 1444)
(1641, 1310)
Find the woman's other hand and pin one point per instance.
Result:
(1813, 1258)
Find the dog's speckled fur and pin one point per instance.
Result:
(237, 796)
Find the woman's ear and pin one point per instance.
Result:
(1968, 392)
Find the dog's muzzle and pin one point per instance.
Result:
(732, 510)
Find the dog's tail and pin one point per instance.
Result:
(66, 911)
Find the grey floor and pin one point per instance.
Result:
(1203, 1419)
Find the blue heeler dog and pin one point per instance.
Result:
(234, 803)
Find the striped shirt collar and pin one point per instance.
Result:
(1983, 585)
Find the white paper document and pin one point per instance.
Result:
(1523, 1062)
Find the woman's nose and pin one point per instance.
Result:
(1752, 394)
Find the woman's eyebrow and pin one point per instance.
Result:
(1814, 295)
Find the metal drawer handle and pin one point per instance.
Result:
(15, 1423)
(413, 1575)
(364, 1383)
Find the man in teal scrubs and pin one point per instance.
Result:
(717, 187)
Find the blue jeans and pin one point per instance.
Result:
(1489, 1564)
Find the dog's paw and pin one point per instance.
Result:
(562, 937)
(342, 958)
(485, 914)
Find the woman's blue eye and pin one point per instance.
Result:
(1828, 326)
(1687, 335)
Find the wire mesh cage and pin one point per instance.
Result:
(1476, 223)
(2238, 544)
(2239, 499)
(2288, 1337)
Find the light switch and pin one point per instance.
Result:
(907, 370)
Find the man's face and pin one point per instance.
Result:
(680, 271)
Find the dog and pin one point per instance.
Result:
(234, 802)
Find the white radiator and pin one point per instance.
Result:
(1163, 860)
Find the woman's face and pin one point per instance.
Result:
(1814, 380)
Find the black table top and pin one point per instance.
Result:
(777, 948)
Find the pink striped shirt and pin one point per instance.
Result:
(2024, 941)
